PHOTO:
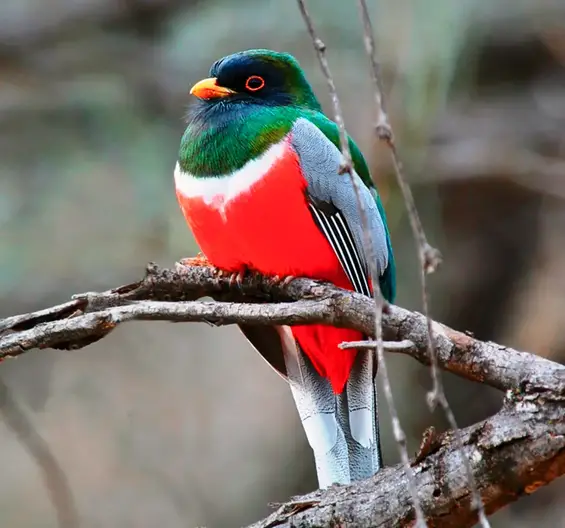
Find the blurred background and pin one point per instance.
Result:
(183, 425)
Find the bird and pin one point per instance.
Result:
(258, 181)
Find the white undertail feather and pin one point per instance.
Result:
(358, 405)
(341, 429)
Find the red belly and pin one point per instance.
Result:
(270, 229)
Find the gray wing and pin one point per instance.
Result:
(334, 207)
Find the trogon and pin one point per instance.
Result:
(258, 181)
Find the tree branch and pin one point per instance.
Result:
(165, 294)
(515, 452)
(511, 454)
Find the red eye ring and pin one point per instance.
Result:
(253, 79)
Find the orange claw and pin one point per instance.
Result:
(282, 282)
(236, 278)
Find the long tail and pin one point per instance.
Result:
(342, 429)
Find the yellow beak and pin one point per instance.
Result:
(209, 89)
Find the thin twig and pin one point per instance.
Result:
(429, 257)
(320, 47)
(347, 166)
(389, 346)
(347, 163)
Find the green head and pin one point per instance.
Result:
(250, 101)
(259, 77)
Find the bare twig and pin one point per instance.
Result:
(429, 257)
(347, 166)
(388, 346)
(320, 47)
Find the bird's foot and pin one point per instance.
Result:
(235, 278)
(280, 281)
(200, 260)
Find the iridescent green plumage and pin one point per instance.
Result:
(222, 148)
(218, 141)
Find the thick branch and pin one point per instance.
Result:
(511, 454)
(91, 316)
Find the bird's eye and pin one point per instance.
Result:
(254, 83)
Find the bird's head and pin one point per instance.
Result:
(260, 77)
